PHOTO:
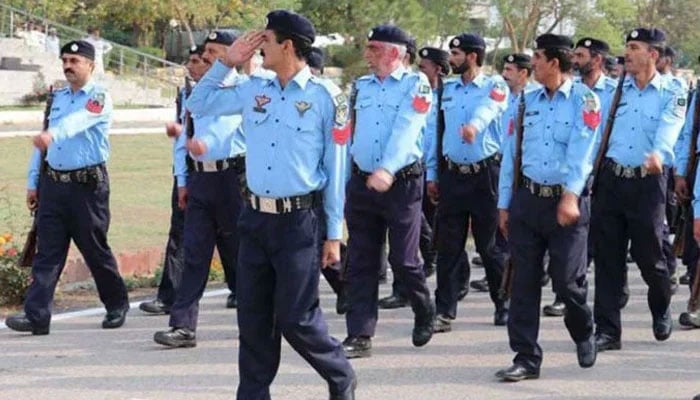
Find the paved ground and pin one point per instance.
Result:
(81, 361)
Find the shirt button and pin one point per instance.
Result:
(377, 160)
(379, 105)
(273, 145)
(298, 129)
(59, 148)
(551, 108)
(630, 147)
(635, 110)
(269, 168)
(282, 98)
(60, 165)
(376, 141)
(547, 126)
(545, 163)
(277, 120)
(377, 123)
(632, 128)
(267, 192)
(546, 143)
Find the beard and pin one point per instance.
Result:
(459, 69)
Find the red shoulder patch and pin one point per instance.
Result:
(591, 118)
(497, 94)
(511, 127)
(342, 134)
(421, 104)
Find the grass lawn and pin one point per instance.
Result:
(141, 183)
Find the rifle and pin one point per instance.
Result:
(685, 214)
(509, 269)
(440, 134)
(608, 130)
(26, 257)
(351, 121)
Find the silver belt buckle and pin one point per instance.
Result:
(464, 169)
(65, 178)
(476, 168)
(268, 205)
(546, 191)
(644, 171)
(209, 166)
(628, 172)
(618, 170)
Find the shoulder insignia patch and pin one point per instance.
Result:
(96, 103)
(498, 92)
(591, 110)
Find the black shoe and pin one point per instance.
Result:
(481, 285)
(605, 342)
(500, 317)
(155, 307)
(341, 303)
(517, 372)
(21, 323)
(586, 352)
(545, 279)
(663, 326)
(690, 319)
(347, 394)
(463, 292)
(476, 260)
(442, 324)
(629, 259)
(555, 309)
(176, 337)
(115, 318)
(423, 326)
(357, 347)
(697, 397)
(231, 301)
(392, 302)
(383, 280)
(684, 279)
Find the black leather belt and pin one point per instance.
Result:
(540, 190)
(237, 163)
(92, 174)
(281, 205)
(473, 168)
(409, 171)
(622, 171)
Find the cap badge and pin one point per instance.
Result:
(212, 36)
(74, 47)
(634, 34)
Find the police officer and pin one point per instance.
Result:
(70, 193)
(213, 200)
(174, 251)
(691, 252)
(631, 192)
(386, 187)
(296, 131)
(547, 209)
(589, 62)
(472, 105)
(434, 65)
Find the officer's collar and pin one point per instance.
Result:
(397, 74)
(564, 89)
(87, 88)
(478, 80)
(600, 83)
(301, 78)
(657, 81)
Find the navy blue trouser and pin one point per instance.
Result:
(628, 210)
(214, 203)
(174, 261)
(368, 215)
(78, 211)
(277, 287)
(467, 200)
(532, 231)
(691, 252)
(671, 209)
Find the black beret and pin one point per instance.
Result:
(79, 47)
(199, 50)
(669, 52)
(610, 62)
(283, 21)
(593, 44)
(519, 59)
(653, 36)
(552, 41)
(467, 41)
(220, 37)
(389, 34)
(438, 56)
(315, 59)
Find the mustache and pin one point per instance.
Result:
(67, 70)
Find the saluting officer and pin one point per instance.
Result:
(589, 61)
(73, 194)
(296, 131)
(213, 199)
(386, 188)
(174, 259)
(472, 104)
(547, 209)
(630, 196)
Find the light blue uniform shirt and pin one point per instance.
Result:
(429, 144)
(295, 136)
(682, 147)
(390, 117)
(646, 121)
(481, 103)
(510, 115)
(79, 123)
(558, 142)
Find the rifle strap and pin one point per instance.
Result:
(440, 127)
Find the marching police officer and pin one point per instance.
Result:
(544, 205)
(386, 188)
(589, 62)
(174, 251)
(296, 131)
(213, 200)
(73, 194)
(631, 192)
(472, 104)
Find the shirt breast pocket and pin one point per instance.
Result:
(530, 123)
(562, 128)
(650, 121)
(252, 121)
